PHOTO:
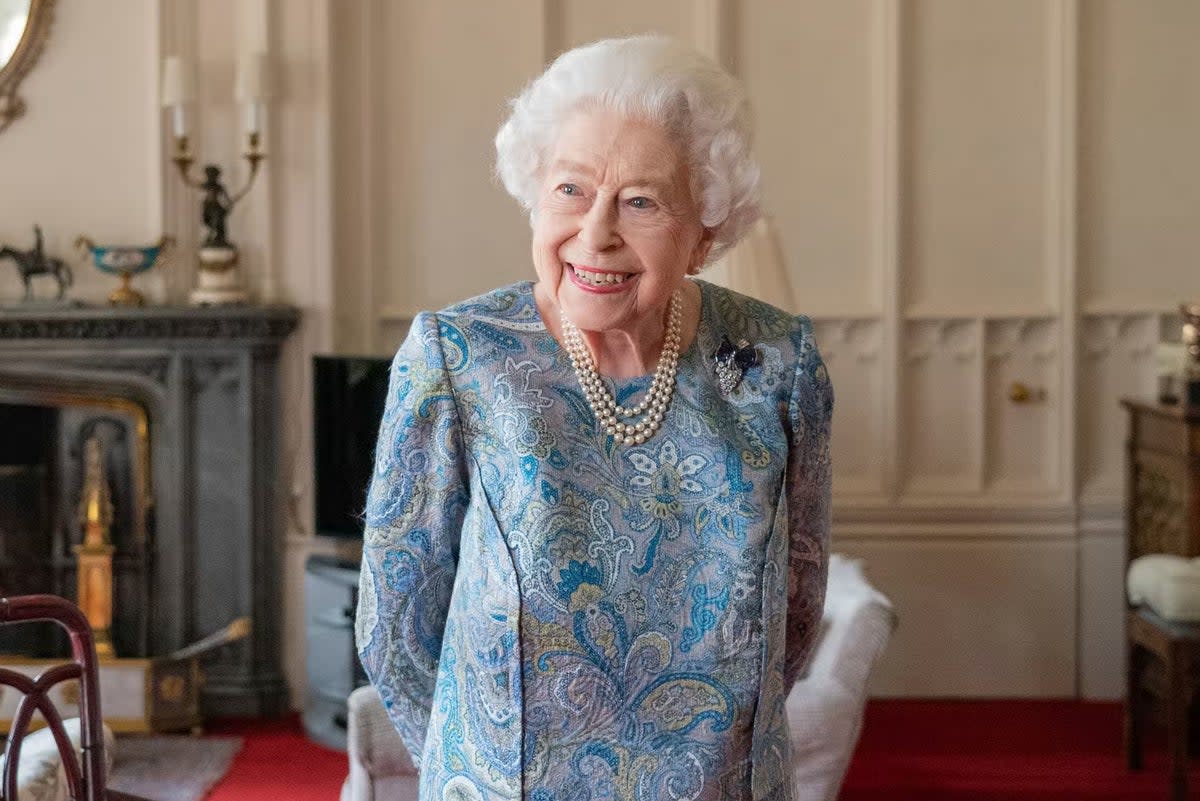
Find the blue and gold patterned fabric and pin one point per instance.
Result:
(552, 616)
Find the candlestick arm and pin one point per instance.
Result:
(183, 160)
(254, 155)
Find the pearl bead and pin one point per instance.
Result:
(658, 397)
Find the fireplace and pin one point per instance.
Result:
(42, 468)
(181, 405)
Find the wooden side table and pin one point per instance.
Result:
(1162, 517)
(1176, 646)
(1163, 479)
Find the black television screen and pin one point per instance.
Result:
(348, 397)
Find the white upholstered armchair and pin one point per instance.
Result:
(825, 708)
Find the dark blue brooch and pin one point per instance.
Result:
(732, 362)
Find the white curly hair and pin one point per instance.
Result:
(654, 78)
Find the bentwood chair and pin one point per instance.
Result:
(84, 777)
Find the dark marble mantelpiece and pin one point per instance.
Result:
(208, 381)
(173, 322)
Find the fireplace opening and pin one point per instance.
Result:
(74, 491)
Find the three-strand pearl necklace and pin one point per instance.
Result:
(634, 425)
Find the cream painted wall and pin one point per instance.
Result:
(90, 157)
(84, 158)
(969, 194)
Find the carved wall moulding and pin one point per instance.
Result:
(858, 336)
(1102, 333)
(955, 336)
(1036, 336)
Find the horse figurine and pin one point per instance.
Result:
(34, 262)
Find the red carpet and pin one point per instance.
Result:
(910, 751)
(279, 763)
(1000, 751)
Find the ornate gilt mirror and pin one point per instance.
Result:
(24, 25)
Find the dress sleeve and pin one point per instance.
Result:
(810, 480)
(415, 507)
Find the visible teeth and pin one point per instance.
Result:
(600, 278)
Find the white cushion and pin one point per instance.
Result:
(824, 721)
(41, 775)
(1170, 585)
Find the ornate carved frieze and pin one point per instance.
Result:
(959, 337)
(153, 367)
(1128, 335)
(858, 338)
(205, 371)
(1037, 337)
(250, 322)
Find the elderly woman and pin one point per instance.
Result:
(597, 530)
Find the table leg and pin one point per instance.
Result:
(1133, 710)
(1177, 722)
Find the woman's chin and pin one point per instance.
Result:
(592, 313)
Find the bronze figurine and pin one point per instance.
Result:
(35, 262)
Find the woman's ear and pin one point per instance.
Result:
(700, 253)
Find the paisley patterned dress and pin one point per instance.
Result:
(551, 616)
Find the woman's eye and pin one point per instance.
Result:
(641, 203)
(568, 189)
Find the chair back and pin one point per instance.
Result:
(84, 782)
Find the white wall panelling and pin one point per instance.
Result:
(975, 141)
(969, 195)
(1022, 448)
(811, 72)
(942, 391)
(1116, 360)
(1139, 182)
(583, 21)
(305, 270)
(979, 615)
(852, 350)
(885, 213)
(177, 37)
(1101, 601)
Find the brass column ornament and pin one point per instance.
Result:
(95, 555)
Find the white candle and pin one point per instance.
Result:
(177, 86)
(177, 91)
(254, 114)
(253, 87)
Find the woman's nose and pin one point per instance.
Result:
(599, 228)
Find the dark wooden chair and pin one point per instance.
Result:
(86, 781)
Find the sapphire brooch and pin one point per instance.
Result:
(732, 362)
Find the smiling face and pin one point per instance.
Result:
(616, 228)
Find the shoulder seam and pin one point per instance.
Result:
(437, 330)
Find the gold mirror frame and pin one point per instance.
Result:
(37, 30)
